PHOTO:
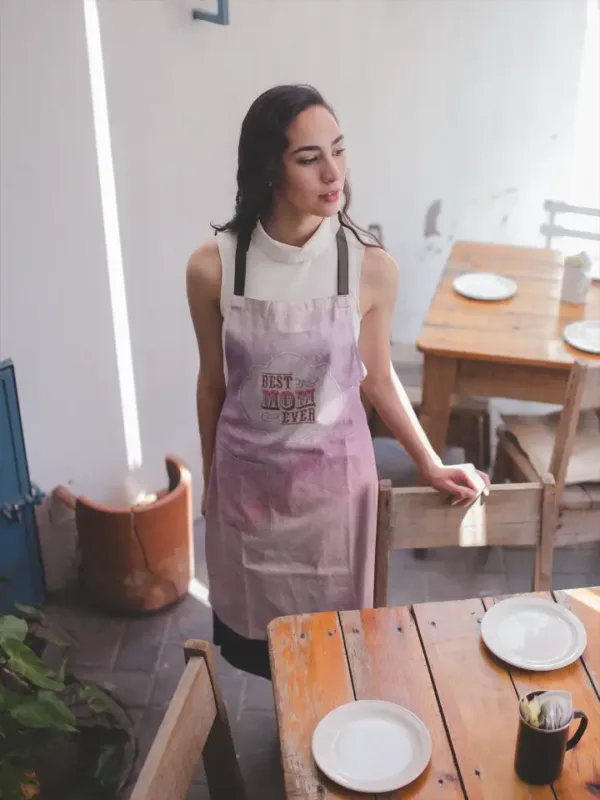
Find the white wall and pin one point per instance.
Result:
(55, 320)
(464, 101)
(467, 101)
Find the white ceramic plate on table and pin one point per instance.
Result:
(485, 286)
(371, 746)
(584, 335)
(533, 634)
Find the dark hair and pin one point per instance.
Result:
(263, 141)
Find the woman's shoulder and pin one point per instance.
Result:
(379, 265)
(379, 278)
(204, 269)
(205, 257)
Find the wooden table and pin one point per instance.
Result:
(430, 659)
(511, 349)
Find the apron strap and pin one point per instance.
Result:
(239, 280)
(241, 251)
(343, 283)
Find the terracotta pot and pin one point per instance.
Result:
(139, 558)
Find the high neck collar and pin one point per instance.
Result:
(290, 254)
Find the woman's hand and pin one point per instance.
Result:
(464, 485)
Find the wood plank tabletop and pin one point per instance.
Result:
(526, 329)
(431, 660)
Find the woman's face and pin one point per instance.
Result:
(314, 165)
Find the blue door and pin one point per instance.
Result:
(21, 573)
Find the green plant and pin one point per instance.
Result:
(42, 707)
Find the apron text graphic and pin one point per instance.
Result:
(298, 405)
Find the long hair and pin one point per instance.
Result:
(263, 141)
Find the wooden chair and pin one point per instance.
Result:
(469, 419)
(551, 230)
(194, 725)
(513, 515)
(566, 445)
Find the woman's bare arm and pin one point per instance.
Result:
(382, 387)
(379, 289)
(203, 280)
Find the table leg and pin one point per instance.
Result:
(439, 380)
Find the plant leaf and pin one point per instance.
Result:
(23, 661)
(30, 787)
(47, 711)
(108, 765)
(12, 628)
(48, 636)
(50, 699)
(8, 699)
(62, 670)
(30, 612)
(97, 700)
(11, 780)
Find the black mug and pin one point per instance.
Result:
(540, 754)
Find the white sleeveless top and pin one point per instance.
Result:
(282, 272)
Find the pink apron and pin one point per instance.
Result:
(291, 504)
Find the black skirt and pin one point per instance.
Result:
(249, 655)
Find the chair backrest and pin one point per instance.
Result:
(582, 394)
(512, 515)
(195, 725)
(551, 230)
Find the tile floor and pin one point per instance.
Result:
(141, 660)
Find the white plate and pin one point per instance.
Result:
(371, 746)
(485, 286)
(584, 335)
(533, 634)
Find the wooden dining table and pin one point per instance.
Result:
(430, 659)
(509, 349)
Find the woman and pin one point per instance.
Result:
(292, 308)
